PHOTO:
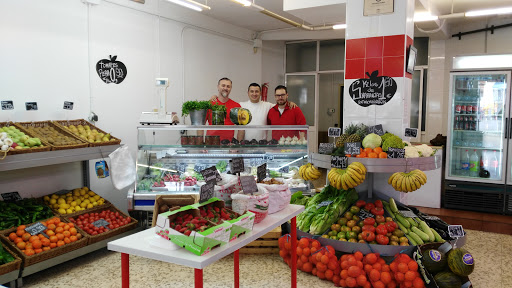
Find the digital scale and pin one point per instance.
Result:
(160, 116)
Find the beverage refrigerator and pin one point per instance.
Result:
(479, 144)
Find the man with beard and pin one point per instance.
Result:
(283, 114)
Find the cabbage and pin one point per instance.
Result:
(372, 141)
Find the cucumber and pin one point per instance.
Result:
(402, 220)
(389, 211)
(416, 238)
(413, 223)
(392, 205)
(437, 236)
(427, 231)
(420, 233)
(402, 227)
(411, 241)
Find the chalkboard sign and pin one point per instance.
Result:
(428, 217)
(68, 105)
(35, 229)
(7, 105)
(323, 203)
(11, 196)
(407, 213)
(262, 172)
(237, 165)
(248, 184)
(411, 132)
(101, 223)
(326, 148)
(455, 231)
(396, 153)
(206, 192)
(363, 214)
(339, 162)
(334, 132)
(377, 129)
(211, 174)
(352, 148)
(31, 106)
(374, 90)
(111, 71)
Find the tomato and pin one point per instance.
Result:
(368, 236)
(369, 228)
(369, 221)
(382, 240)
(378, 203)
(391, 226)
(94, 233)
(380, 219)
(381, 230)
(369, 206)
(378, 211)
(111, 226)
(116, 226)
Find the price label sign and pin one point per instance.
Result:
(7, 105)
(377, 129)
(325, 148)
(411, 132)
(323, 203)
(352, 148)
(181, 167)
(199, 167)
(37, 228)
(363, 214)
(339, 162)
(211, 174)
(68, 105)
(284, 169)
(206, 192)
(334, 132)
(428, 217)
(248, 184)
(261, 172)
(396, 153)
(455, 231)
(237, 165)
(101, 223)
(11, 196)
(407, 213)
(31, 106)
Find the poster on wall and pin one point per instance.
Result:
(374, 90)
(377, 7)
(111, 71)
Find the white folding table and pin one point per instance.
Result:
(137, 244)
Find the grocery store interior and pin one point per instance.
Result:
(51, 53)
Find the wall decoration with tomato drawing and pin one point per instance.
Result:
(111, 71)
(374, 90)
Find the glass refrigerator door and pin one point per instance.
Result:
(478, 122)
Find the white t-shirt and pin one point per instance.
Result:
(259, 113)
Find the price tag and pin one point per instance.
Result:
(11, 196)
(31, 106)
(206, 192)
(326, 148)
(455, 231)
(199, 167)
(363, 214)
(262, 172)
(237, 165)
(411, 132)
(352, 148)
(68, 105)
(428, 217)
(101, 223)
(284, 169)
(396, 153)
(211, 174)
(339, 162)
(377, 129)
(248, 184)
(334, 132)
(7, 105)
(268, 157)
(182, 167)
(37, 228)
(407, 213)
(323, 203)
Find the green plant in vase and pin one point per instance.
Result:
(218, 114)
(193, 106)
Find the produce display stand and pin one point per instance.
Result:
(138, 244)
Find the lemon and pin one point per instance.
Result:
(61, 201)
(86, 201)
(69, 211)
(91, 193)
(82, 192)
(97, 197)
(85, 188)
(54, 196)
(46, 198)
(62, 211)
(86, 196)
(69, 199)
(94, 204)
(78, 201)
(55, 206)
(101, 202)
(83, 205)
(73, 204)
(89, 206)
(53, 201)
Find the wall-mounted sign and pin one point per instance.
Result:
(334, 132)
(68, 105)
(31, 106)
(376, 7)
(111, 71)
(375, 90)
(7, 105)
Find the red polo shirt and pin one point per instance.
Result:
(224, 134)
(289, 117)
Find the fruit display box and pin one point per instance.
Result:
(241, 224)
(105, 205)
(171, 201)
(25, 125)
(65, 123)
(110, 232)
(13, 265)
(46, 147)
(197, 242)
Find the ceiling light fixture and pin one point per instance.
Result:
(424, 16)
(339, 26)
(504, 10)
(191, 4)
(244, 2)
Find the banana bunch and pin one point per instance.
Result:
(347, 178)
(309, 172)
(407, 182)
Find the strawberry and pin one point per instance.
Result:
(187, 232)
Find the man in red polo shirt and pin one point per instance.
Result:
(282, 114)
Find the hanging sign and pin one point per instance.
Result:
(206, 192)
(11, 196)
(237, 165)
(411, 132)
(261, 172)
(211, 174)
(248, 184)
(68, 105)
(396, 153)
(339, 162)
(7, 105)
(326, 148)
(377, 129)
(376, 90)
(111, 71)
(334, 132)
(31, 106)
(352, 148)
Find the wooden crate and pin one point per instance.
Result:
(268, 244)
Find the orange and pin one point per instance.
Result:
(361, 280)
(56, 220)
(38, 251)
(354, 271)
(402, 267)
(320, 274)
(46, 248)
(53, 245)
(413, 266)
(60, 236)
(18, 240)
(399, 276)
(46, 242)
(21, 245)
(13, 236)
(21, 227)
(383, 155)
(359, 256)
(73, 239)
(368, 150)
(67, 240)
(28, 245)
(343, 283)
(385, 277)
(33, 238)
(374, 275)
(344, 274)
(351, 282)
(378, 284)
(59, 230)
(26, 237)
(377, 150)
(377, 266)
(51, 226)
(54, 239)
(50, 233)
(79, 236)
(20, 233)
(325, 259)
(321, 267)
(37, 244)
(41, 236)
(61, 224)
(329, 274)
(66, 227)
(371, 258)
(49, 222)
(409, 276)
(29, 252)
(393, 266)
(372, 155)
(67, 234)
(60, 243)
(71, 225)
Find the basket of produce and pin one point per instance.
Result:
(74, 202)
(88, 132)
(102, 223)
(25, 211)
(9, 261)
(57, 238)
(17, 141)
(55, 135)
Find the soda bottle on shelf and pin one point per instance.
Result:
(457, 109)
(495, 172)
(456, 123)
(466, 123)
(473, 164)
(469, 109)
(464, 164)
(463, 109)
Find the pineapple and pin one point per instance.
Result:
(353, 138)
(360, 129)
(351, 129)
(341, 140)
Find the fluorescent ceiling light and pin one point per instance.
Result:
(244, 2)
(191, 4)
(504, 10)
(339, 26)
(424, 16)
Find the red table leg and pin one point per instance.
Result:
(198, 275)
(125, 270)
(237, 269)
(294, 252)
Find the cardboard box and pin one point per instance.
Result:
(171, 201)
(197, 242)
(241, 225)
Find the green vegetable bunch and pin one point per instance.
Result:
(5, 257)
(25, 211)
(218, 107)
(194, 105)
(393, 142)
(386, 136)
(221, 166)
(324, 219)
(299, 199)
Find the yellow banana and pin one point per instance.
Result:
(398, 186)
(413, 184)
(417, 181)
(390, 179)
(357, 168)
(339, 181)
(355, 175)
(395, 181)
(344, 184)
(421, 176)
(361, 166)
(350, 182)
(408, 183)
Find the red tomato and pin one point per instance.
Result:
(380, 219)
(370, 228)
(369, 221)
(378, 211)
(369, 206)
(383, 240)
(378, 203)
(381, 229)
(360, 203)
